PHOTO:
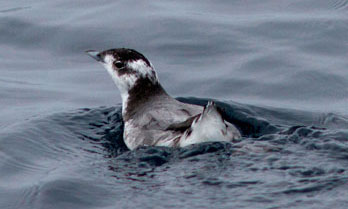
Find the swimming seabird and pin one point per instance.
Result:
(152, 117)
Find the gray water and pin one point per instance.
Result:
(279, 68)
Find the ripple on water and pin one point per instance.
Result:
(340, 4)
(78, 159)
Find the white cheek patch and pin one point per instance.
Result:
(123, 83)
(143, 69)
(126, 81)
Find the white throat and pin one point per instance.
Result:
(125, 82)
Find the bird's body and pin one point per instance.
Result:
(151, 116)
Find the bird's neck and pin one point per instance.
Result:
(141, 93)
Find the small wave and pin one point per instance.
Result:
(14, 9)
(340, 4)
(67, 153)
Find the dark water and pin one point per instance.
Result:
(279, 68)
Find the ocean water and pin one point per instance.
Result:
(279, 68)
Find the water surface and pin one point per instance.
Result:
(279, 68)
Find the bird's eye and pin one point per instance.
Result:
(119, 64)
